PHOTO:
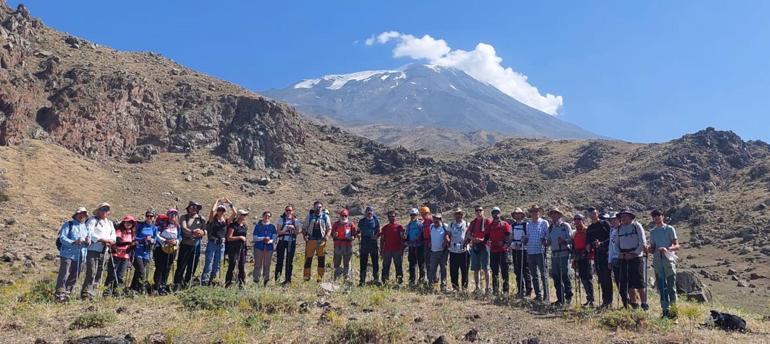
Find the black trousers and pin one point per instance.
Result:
(139, 281)
(604, 275)
(285, 253)
(236, 257)
(184, 266)
(367, 250)
(114, 282)
(416, 259)
(498, 261)
(586, 277)
(163, 262)
(521, 270)
(458, 265)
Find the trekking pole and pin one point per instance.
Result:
(114, 283)
(646, 280)
(544, 279)
(521, 270)
(577, 285)
(77, 270)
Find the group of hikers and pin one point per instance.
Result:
(612, 246)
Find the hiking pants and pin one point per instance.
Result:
(416, 259)
(536, 264)
(458, 266)
(114, 282)
(499, 264)
(521, 270)
(368, 250)
(94, 267)
(262, 260)
(396, 257)
(163, 263)
(236, 257)
(665, 280)
(586, 277)
(196, 260)
(215, 250)
(285, 252)
(184, 265)
(561, 280)
(437, 262)
(139, 281)
(315, 247)
(67, 277)
(342, 255)
(630, 277)
(604, 275)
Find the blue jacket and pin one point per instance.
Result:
(414, 234)
(71, 231)
(261, 231)
(144, 230)
(369, 228)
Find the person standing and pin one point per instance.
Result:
(392, 247)
(458, 252)
(415, 247)
(264, 235)
(102, 232)
(146, 236)
(560, 239)
(319, 228)
(519, 253)
(74, 239)
(217, 232)
(165, 251)
(235, 247)
(582, 256)
(288, 227)
(534, 241)
(121, 255)
(479, 251)
(631, 247)
(439, 242)
(499, 242)
(663, 245)
(598, 237)
(427, 221)
(369, 230)
(193, 229)
(343, 231)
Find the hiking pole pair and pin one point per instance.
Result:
(544, 279)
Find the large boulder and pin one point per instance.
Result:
(688, 284)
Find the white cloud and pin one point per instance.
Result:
(482, 63)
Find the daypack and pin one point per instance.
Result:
(58, 236)
(344, 231)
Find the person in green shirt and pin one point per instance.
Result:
(663, 247)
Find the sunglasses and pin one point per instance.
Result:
(149, 216)
(479, 210)
(104, 209)
(288, 210)
(344, 216)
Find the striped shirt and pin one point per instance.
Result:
(536, 230)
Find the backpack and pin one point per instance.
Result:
(58, 237)
(344, 231)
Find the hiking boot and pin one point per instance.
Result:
(285, 283)
(645, 307)
(589, 304)
(557, 304)
(605, 306)
(634, 306)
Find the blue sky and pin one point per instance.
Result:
(641, 71)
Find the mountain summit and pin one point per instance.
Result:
(423, 95)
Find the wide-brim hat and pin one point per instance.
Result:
(437, 216)
(128, 218)
(172, 211)
(555, 210)
(194, 204)
(518, 211)
(627, 211)
(243, 212)
(459, 211)
(103, 205)
(535, 208)
(80, 210)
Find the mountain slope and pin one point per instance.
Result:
(423, 95)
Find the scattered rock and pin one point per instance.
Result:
(49, 256)
(755, 276)
(742, 284)
(120, 310)
(472, 335)
(188, 178)
(350, 189)
(441, 340)
(731, 272)
(418, 320)
(10, 221)
(531, 340)
(688, 283)
(128, 339)
(157, 338)
(41, 341)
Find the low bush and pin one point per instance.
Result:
(360, 332)
(245, 300)
(41, 292)
(92, 320)
(624, 319)
(209, 298)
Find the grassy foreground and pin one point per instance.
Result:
(306, 313)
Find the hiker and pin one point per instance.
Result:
(582, 257)
(264, 238)
(534, 241)
(344, 231)
(415, 247)
(427, 221)
(216, 227)
(146, 236)
(368, 230)
(74, 239)
(663, 246)
(499, 233)
(598, 237)
(392, 247)
(102, 232)
(235, 248)
(613, 256)
(193, 230)
(121, 255)
(560, 240)
(458, 251)
(631, 245)
(288, 227)
(318, 228)
(439, 242)
(519, 253)
(479, 251)
(166, 248)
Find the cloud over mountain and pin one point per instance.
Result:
(482, 63)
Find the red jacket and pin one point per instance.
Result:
(343, 233)
(579, 244)
(123, 242)
(498, 232)
(392, 237)
(426, 231)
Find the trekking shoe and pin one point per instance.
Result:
(645, 307)
(634, 306)
(589, 304)
(557, 304)
(285, 283)
(605, 306)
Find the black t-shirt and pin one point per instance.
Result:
(217, 230)
(238, 230)
(599, 231)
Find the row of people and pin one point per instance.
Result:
(609, 244)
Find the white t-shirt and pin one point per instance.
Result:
(457, 237)
(437, 237)
(100, 229)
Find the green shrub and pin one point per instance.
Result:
(41, 292)
(208, 298)
(624, 319)
(92, 320)
(359, 332)
(245, 300)
(272, 302)
(4, 197)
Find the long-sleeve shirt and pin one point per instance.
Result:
(631, 239)
(283, 222)
(414, 234)
(102, 229)
(123, 240)
(70, 232)
(369, 228)
(612, 252)
(262, 231)
(457, 232)
(189, 224)
(560, 230)
(143, 231)
(536, 231)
